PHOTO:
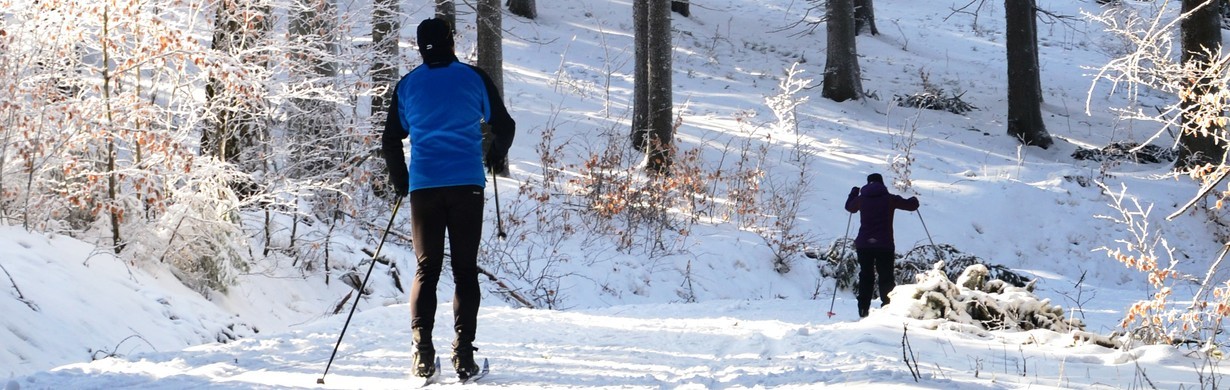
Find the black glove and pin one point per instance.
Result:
(854, 191)
(495, 160)
(400, 181)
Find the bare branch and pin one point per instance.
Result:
(1221, 174)
(20, 297)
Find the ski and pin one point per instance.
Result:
(428, 381)
(481, 373)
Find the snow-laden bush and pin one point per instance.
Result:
(934, 97)
(840, 262)
(199, 233)
(1126, 151)
(935, 101)
(976, 298)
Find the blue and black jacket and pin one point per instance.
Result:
(440, 106)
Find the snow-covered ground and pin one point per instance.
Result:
(625, 321)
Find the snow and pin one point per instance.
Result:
(626, 320)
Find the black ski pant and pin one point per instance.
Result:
(873, 261)
(458, 211)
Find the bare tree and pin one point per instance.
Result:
(865, 17)
(660, 108)
(1201, 40)
(841, 72)
(523, 8)
(1024, 82)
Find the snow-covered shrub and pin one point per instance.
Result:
(935, 101)
(840, 262)
(1126, 151)
(976, 298)
(920, 259)
(934, 97)
(199, 232)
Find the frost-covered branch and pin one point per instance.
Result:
(784, 103)
(1195, 83)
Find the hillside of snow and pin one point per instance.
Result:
(708, 310)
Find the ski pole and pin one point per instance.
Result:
(363, 285)
(843, 253)
(924, 225)
(499, 221)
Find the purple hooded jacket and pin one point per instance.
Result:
(875, 207)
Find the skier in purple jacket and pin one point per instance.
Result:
(874, 242)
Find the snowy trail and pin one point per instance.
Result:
(752, 344)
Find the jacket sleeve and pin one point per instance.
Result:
(853, 203)
(910, 204)
(390, 145)
(503, 128)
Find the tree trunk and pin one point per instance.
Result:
(865, 17)
(841, 74)
(490, 41)
(523, 8)
(491, 56)
(112, 176)
(1024, 83)
(660, 108)
(386, 27)
(1033, 39)
(447, 10)
(682, 7)
(1201, 34)
(640, 76)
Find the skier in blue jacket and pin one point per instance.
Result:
(440, 106)
(874, 243)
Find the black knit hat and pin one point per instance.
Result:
(875, 178)
(435, 37)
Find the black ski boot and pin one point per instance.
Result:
(424, 363)
(424, 360)
(463, 362)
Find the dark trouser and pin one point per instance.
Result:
(433, 211)
(872, 261)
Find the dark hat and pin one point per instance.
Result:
(435, 36)
(875, 178)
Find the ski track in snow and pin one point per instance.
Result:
(777, 344)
